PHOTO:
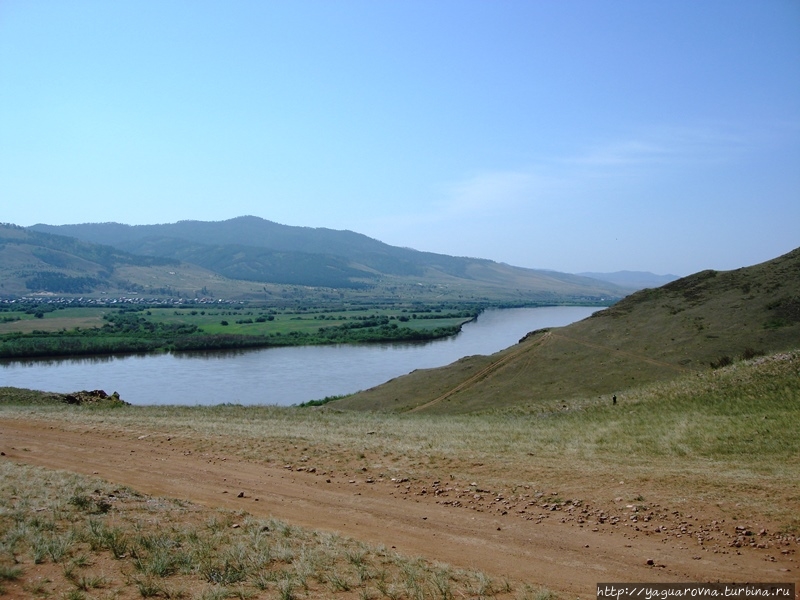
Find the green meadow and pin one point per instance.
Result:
(44, 330)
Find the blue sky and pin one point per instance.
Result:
(569, 135)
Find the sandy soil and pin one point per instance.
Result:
(566, 547)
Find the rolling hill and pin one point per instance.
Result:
(706, 320)
(255, 250)
(633, 280)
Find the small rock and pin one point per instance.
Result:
(240, 495)
(650, 562)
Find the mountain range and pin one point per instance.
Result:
(248, 257)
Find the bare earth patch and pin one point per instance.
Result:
(567, 531)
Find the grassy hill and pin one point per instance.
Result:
(706, 320)
(253, 249)
(33, 262)
(633, 280)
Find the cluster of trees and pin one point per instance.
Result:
(437, 314)
(132, 323)
(73, 343)
(129, 330)
(58, 283)
(381, 330)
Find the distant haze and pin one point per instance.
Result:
(577, 136)
(633, 279)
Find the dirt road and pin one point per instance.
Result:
(568, 554)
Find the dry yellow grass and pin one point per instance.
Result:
(74, 537)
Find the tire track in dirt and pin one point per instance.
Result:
(562, 557)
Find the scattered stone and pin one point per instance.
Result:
(92, 397)
(650, 562)
(240, 495)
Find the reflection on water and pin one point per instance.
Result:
(44, 362)
(278, 375)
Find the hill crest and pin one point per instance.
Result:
(706, 320)
(254, 249)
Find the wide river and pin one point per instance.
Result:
(280, 376)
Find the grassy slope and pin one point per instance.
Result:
(650, 336)
(727, 436)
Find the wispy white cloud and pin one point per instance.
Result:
(594, 181)
(646, 153)
(489, 191)
(664, 147)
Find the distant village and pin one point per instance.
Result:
(108, 301)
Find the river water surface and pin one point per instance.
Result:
(280, 376)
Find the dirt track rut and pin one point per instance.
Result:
(561, 556)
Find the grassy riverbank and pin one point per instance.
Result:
(714, 429)
(41, 330)
(693, 473)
